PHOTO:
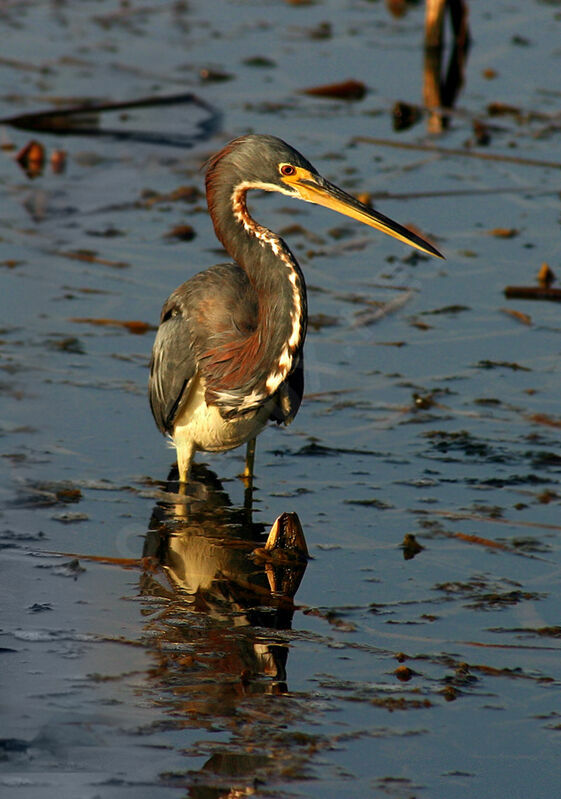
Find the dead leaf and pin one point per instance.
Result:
(546, 275)
(543, 418)
(186, 194)
(58, 161)
(504, 232)
(405, 115)
(135, 327)
(181, 232)
(502, 109)
(481, 133)
(91, 258)
(484, 542)
(521, 317)
(347, 90)
(31, 158)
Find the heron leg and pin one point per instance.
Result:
(185, 453)
(247, 474)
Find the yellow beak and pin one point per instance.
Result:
(315, 189)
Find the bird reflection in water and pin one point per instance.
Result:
(223, 595)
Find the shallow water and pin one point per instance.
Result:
(133, 670)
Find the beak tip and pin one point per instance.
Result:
(437, 253)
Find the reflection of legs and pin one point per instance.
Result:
(181, 507)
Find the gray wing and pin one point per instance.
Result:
(209, 325)
(214, 311)
(173, 364)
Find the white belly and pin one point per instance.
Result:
(201, 427)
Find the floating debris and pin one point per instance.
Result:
(447, 309)
(410, 546)
(58, 161)
(546, 276)
(503, 109)
(259, 61)
(68, 494)
(31, 158)
(405, 115)
(481, 133)
(186, 194)
(347, 90)
(374, 502)
(285, 555)
(516, 367)
(11, 263)
(423, 401)
(532, 293)
(71, 568)
(70, 518)
(286, 536)
(214, 75)
(320, 320)
(91, 257)
(524, 318)
(67, 344)
(324, 30)
(181, 232)
(110, 232)
(543, 418)
(404, 673)
(544, 291)
(504, 232)
(135, 327)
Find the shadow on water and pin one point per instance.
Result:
(220, 602)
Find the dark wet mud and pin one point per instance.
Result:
(147, 650)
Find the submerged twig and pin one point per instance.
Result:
(90, 258)
(370, 316)
(448, 151)
(543, 291)
(419, 195)
(82, 119)
(54, 119)
(124, 563)
(532, 293)
(476, 517)
(134, 326)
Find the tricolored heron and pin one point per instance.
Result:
(228, 351)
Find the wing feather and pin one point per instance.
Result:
(173, 365)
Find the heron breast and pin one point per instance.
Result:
(205, 427)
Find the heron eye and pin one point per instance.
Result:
(287, 170)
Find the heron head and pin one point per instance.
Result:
(268, 163)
